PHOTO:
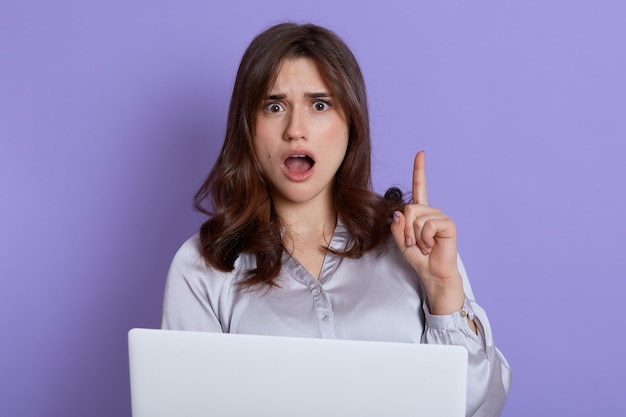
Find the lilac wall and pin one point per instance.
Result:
(111, 114)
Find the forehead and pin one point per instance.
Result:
(299, 75)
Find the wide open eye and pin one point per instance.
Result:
(274, 108)
(320, 105)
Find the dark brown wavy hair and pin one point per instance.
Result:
(235, 194)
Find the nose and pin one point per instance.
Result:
(296, 127)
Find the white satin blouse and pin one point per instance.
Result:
(376, 297)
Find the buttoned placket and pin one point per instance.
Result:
(321, 299)
(323, 311)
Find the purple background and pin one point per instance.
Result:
(111, 115)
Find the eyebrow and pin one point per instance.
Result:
(306, 95)
(317, 95)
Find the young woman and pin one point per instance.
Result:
(297, 244)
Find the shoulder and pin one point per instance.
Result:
(190, 252)
(389, 251)
(389, 257)
(189, 263)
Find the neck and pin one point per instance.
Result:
(309, 224)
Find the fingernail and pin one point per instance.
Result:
(409, 242)
(427, 245)
(424, 252)
(396, 217)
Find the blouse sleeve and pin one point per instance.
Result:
(187, 303)
(489, 374)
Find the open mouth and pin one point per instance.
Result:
(298, 163)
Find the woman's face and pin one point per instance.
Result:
(301, 134)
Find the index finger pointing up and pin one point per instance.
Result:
(419, 179)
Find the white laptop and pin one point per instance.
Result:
(193, 374)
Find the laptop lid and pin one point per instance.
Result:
(180, 373)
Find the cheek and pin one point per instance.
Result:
(263, 153)
(263, 139)
(346, 137)
(264, 157)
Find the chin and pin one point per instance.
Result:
(298, 196)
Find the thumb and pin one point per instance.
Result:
(397, 229)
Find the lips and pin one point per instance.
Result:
(298, 164)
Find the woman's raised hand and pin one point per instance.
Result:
(428, 239)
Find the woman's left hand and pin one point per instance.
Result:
(428, 239)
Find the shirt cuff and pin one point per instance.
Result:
(457, 320)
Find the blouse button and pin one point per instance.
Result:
(463, 313)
